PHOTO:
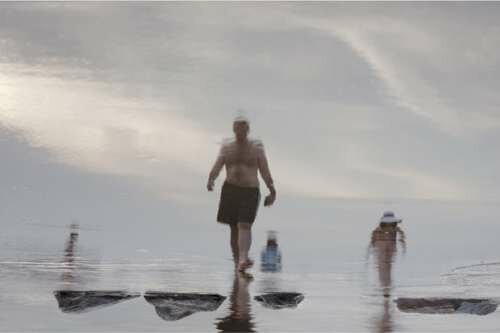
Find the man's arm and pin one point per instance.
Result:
(214, 173)
(402, 238)
(266, 175)
(370, 246)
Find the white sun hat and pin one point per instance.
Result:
(389, 217)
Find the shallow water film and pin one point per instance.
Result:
(376, 124)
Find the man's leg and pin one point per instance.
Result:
(234, 242)
(244, 242)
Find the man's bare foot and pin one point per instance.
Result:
(243, 265)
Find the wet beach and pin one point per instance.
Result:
(345, 283)
(112, 114)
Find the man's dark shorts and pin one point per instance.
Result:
(238, 204)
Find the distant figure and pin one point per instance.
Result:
(68, 276)
(383, 245)
(240, 195)
(270, 257)
(70, 296)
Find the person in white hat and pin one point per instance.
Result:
(384, 247)
(388, 228)
(389, 217)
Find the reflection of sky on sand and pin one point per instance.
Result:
(326, 264)
(92, 126)
(116, 123)
(475, 278)
(385, 103)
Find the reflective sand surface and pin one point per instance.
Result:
(110, 118)
(348, 282)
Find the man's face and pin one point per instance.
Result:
(240, 129)
(388, 226)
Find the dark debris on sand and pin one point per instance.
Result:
(175, 306)
(280, 300)
(446, 305)
(74, 301)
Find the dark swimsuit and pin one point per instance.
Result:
(238, 204)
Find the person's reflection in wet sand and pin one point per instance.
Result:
(70, 297)
(384, 247)
(240, 317)
(68, 277)
(385, 323)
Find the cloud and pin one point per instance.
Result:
(350, 103)
(88, 125)
(401, 54)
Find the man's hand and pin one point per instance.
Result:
(269, 200)
(210, 186)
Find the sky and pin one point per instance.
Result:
(368, 101)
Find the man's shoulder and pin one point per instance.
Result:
(226, 142)
(257, 143)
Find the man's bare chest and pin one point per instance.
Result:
(241, 156)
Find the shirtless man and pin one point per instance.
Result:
(240, 195)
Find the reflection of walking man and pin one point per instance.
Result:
(240, 194)
(240, 318)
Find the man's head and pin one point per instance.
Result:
(389, 226)
(241, 128)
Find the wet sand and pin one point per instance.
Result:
(347, 283)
